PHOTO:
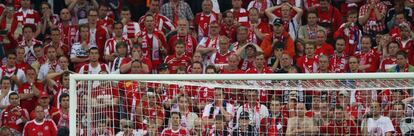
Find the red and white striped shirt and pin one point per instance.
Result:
(29, 53)
(241, 16)
(130, 29)
(110, 45)
(69, 33)
(373, 23)
(162, 23)
(25, 17)
(202, 23)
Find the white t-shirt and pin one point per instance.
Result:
(206, 112)
(380, 126)
(20, 76)
(93, 70)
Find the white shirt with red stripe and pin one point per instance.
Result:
(219, 59)
(110, 45)
(29, 54)
(241, 16)
(202, 22)
(27, 17)
(161, 23)
(130, 29)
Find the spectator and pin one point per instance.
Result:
(197, 68)
(183, 34)
(69, 31)
(26, 16)
(218, 107)
(372, 17)
(258, 27)
(80, 9)
(130, 27)
(5, 92)
(341, 125)
(30, 91)
(162, 23)
(329, 17)
(175, 128)
(102, 129)
(277, 121)
(308, 63)
(79, 52)
(204, 18)
(242, 34)
(308, 32)
(279, 35)
(240, 14)
(153, 42)
(245, 128)
(105, 17)
(256, 111)
(110, 51)
(13, 116)
(176, 9)
(39, 55)
(121, 55)
(300, 124)
(285, 63)
(11, 71)
(7, 36)
(185, 108)
(61, 116)
(368, 57)
(62, 49)
(209, 44)
(93, 67)
(5, 131)
(275, 60)
(28, 44)
(219, 58)
(350, 32)
(178, 59)
(228, 26)
(353, 65)
(97, 33)
(323, 64)
(291, 24)
(390, 60)
(39, 124)
(136, 54)
(338, 63)
(248, 53)
(49, 65)
(322, 47)
(260, 5)
(48, 20)
(233, 65)
(372, 125)
(406, 43)
(260, 65)
(402, 63)
(397, 12)
(211, 69)
(127, 129)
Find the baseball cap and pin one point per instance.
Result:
(43, 95)
(244, 115)
(277, 22)
(163, 66)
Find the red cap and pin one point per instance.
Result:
(43, 95)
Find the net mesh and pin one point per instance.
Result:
(244, 107)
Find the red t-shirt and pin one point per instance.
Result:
(174, 62)
(9, 117)
(30, 103)
(180, 132)
(45, 128)
(189, 41)
(371, 58)
(326, 49)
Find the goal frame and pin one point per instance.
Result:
(209, 77)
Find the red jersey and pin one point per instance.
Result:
(241, 16)
(205, 94)
(346, 127)
(29, 103)
(174, 62)
(229, 31)
(69, 33)
(144, 60)
(330, 20)
(274, 125)
(161, 23)
(152, 111)
(209, 42)
(61, 119)
(352, 36)
(48, 112)
(10, 119)
(407, 46)
(325, 49)
(64, 47)
(23, 65)
(338, 63)
(98, 36)
(308, 65)
(189, 41)
(387, 63)
(25, 17)
(58, 90)
(310, 3)
(170, 132)
(152, 44)
(45, 128)
(372, 58)
(202, 23)
(220, 59)
(263, 27)
(246, 64)
(106, 92)
(107, 22)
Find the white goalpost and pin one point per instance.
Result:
(84, 83)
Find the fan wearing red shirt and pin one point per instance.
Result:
(390, 60)
(97, 33)
(150, 107)
(219, 58)
(290, 15)
(175, 129)
(209, 45)
(323, 48)
(329, 17)
(153, 42)
(178, 59)
(406, 43)
(276, 123)
(368, 57)
(58, 87)
(372, 16)
(239, 12)
(323, 64)
(242, 38)
(20, 59)
(26, 16)
(40, 125)
(11, 71)
(162, 23)
(339, 60)
(105, 19)
(184, 35)
(136, 54)
(62, 49)
(61, 116)
(250, 50)
(30, 91)
(130, 27)
(260, 65)
(233, 65)
(44, 100)
(204, 18)
(228, 27)
(341, 125)
(14, 117)
(28, 43)
(122, 49)
(258, 28)
(350, 32)
(279, 35)
(110, 51)
(69, 31)
(308, 63)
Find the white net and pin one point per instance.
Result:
(227, 105)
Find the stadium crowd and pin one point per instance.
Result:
(42, 42)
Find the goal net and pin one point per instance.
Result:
(242, 104)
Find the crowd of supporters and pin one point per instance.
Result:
(43, 41)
